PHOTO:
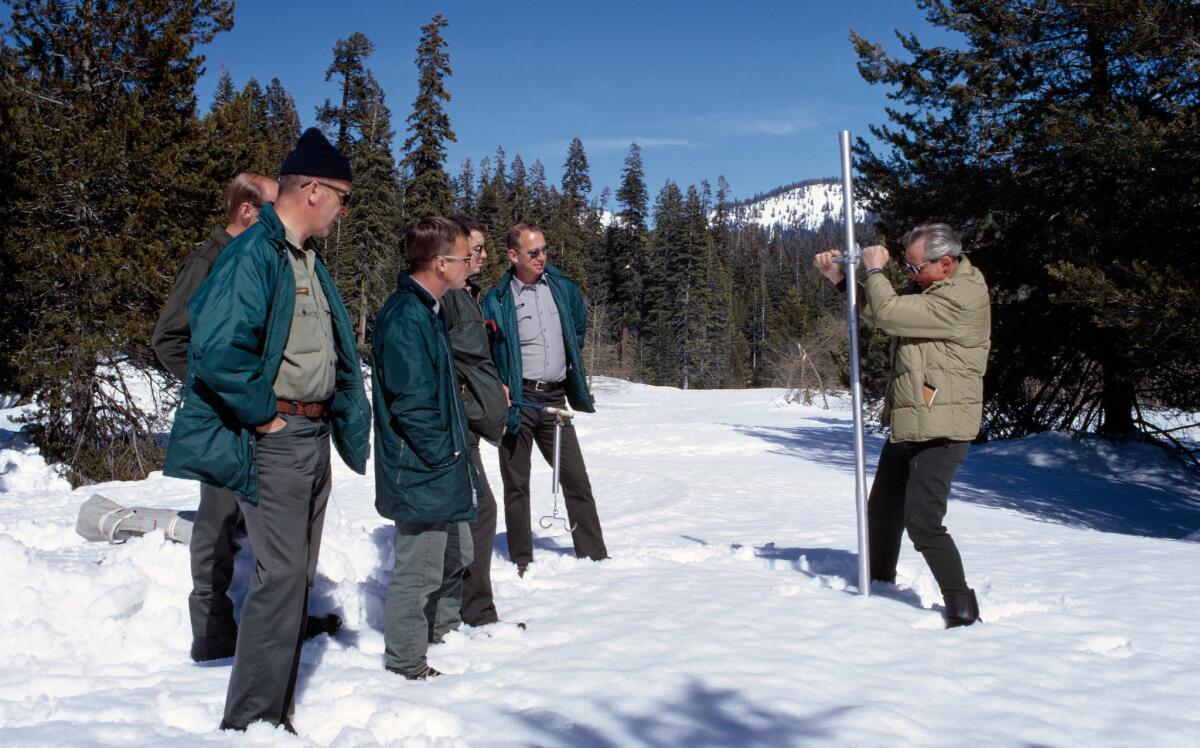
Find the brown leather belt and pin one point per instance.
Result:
(315, 411)
(537, 386)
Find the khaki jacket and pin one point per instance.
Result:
(939, 354)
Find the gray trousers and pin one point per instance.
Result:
(537, 426)
(478, 607)
(425, 594)
(285, 530)
(910, 490)
(212, 549)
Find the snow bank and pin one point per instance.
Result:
(728, 614)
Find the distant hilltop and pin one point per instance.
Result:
(804, 205)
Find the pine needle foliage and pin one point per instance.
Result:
(104, 161)
(1063, 138)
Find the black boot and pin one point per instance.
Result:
(206, 649)
(962, 609)
(314, 626)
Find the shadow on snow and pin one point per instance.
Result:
(701, 716)
(1087, 481)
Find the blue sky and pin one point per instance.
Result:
(756, 91)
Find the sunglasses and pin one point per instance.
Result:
(536, 253)
(912, 269)
(342, 195)
(468, 258)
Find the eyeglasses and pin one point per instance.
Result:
(468, 258)
(912, 269)
(536, 253)
(342, 195)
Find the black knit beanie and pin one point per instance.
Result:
(314, 156)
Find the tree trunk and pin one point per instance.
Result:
(1116, 400)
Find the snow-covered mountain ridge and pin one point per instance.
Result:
(806, 205)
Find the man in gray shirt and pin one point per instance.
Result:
(542, 324)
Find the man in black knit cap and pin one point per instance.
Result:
(273, 372)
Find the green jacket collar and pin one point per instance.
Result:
(505, 284)
(405, 282)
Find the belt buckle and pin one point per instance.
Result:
(539, 386)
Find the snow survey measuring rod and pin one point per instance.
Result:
(849, 260)
(562, 417)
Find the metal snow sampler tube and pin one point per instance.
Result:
(561, 418)
(851, 254)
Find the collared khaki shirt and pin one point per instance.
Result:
(309, 365)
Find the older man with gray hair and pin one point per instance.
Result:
(940, 325)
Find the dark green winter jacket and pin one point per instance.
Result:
(506, 348)
(423, 466)
(171, 333)
(482, 395)
(240, 318)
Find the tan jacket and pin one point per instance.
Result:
(939, 354)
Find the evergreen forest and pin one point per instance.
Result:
(1061, 138)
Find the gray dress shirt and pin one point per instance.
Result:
(539, 325)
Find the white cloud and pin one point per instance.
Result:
(787, 122)
(622, 144)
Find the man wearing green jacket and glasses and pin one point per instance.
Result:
(940, 325)
(542, 323)
(425, 479)
(272, 372)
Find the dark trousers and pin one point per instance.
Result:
(285, 530)
(911, 485)
(538, 426)
(478, 608)
(212, 549)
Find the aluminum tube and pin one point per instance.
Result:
(853, 254)
(557, 453)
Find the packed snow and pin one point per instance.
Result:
(728, 615)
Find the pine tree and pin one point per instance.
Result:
(576, 181)
(737, 364)
(1061, 137)
(429, 191)
(364, 255)
(625, 253)
(576, 228)
(464, 186)
(494, 214)
(518, 192)
(666, 291)
(106, 158)
(238, 139)
(705, 324)
(283, 125)
(225, 90)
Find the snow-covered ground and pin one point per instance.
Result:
(728, 615)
